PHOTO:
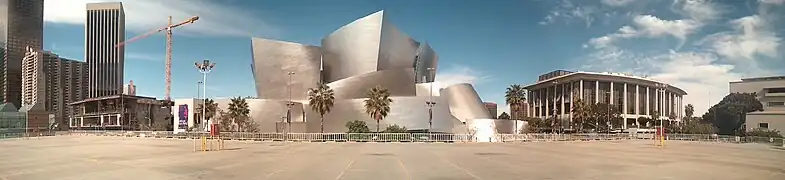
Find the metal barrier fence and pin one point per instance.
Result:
(406, 137)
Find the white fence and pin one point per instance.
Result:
(424, 137)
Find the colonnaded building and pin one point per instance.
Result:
(363, 54)
(553, 93)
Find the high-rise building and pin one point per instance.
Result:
(770, 91)
(105, 28)
(21, 25)
(129, 89)
(53, 82)
(491, 108)
(520, 112)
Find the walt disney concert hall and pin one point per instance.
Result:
(355, 58)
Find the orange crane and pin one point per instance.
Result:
(168, 30)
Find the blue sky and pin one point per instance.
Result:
(697, 45)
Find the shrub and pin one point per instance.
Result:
(357, 126)
(395, 129)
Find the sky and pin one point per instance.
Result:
(696, 45)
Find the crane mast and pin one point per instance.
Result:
(168, 30)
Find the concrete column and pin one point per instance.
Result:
(624, 100)
(581, 90)
(610, 96)
(572, 99)
(637, 100)
(102, 120)
(648, 102)
(555, 87)
(596, 92)
(563, 92)
(118, 119)
(81, 122)
(547, 103)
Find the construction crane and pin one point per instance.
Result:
(168, 30)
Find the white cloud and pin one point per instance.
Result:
(704, 70)
(568, 11)
(699, 10)
(457, 74)
(776, 2)
(751, 37)
(616, 3)
(146, 15)
(648, 26)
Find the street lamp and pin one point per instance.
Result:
(289, 104)
(556, 112)
(430, 103)
(205, 67)
(662, 87)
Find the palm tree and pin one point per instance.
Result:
(321, 99)
(209, 112)
(239, 112)
(581, 112)
(515, 97)
(378, 104)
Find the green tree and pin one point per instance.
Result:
(504, 115)
(378, 104)
(239, 113)
(515, 97)
(764, 133)
(537, 125)
(643, 122)
(357, 126)
(395, 129)
(729, 114)
(210, 111)
(696, 126)
(321, 99)
(689, 111)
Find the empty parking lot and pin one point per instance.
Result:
(91, 157)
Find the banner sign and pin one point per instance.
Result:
(183, 116)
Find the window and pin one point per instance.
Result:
(776, 103)
(763, 125)
(776, 90)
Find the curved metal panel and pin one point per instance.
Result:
(398, 81)
(396, 49)
(410, 112)
(353, 49)
(267, 113)
(273, 60)
(426, 58)
(464, 102)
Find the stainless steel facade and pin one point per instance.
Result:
(273, 60)
(366, 53)
(464, 102)
(21, 26)
(104, 28)
(635, 96)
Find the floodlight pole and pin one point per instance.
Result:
(430, 103)
(205, 67)
(289, 104)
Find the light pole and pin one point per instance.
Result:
(430, 103)
(662, 87)
(608, 108)
(205, 67)
(289, 104)
(556, 110)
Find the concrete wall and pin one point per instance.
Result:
(775, 121)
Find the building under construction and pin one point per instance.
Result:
(121, 112)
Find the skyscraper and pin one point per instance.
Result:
(104, 28)
(21, 26)
(52, 82)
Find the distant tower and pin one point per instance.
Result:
(105, 27)
(130, 89)
(21, 26)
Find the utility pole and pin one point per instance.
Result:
(205, 67)
(289, 104)
(430, 103)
